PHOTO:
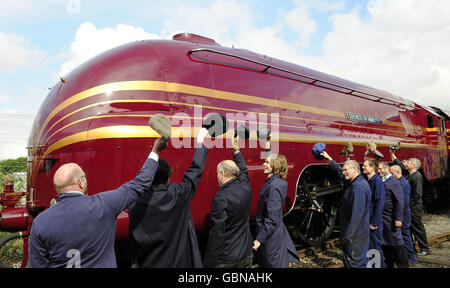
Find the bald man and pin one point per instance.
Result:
(392, 243)
(396, 170)
(79, 230)
(415, 180)
(230, 242)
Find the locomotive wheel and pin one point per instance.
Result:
(313, 218)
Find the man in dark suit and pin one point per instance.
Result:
(230, 240)
(415, 181)
(392, 244)
(161, 225)
(79, 230)
(353, 213)
(407, 239)
(376, 185)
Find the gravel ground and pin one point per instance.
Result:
(436, 221)
(322, 259)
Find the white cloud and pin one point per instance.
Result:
(302, 22)
(229, 23)
(402, 48)
(17, 52)
(334, 5)
(14, 131)
(33, 95)
(90, 41)
(299, 19)
(8, 8)
(13, 149)
(4, 98)
(220, 20)
(28, 8)
(73, 6)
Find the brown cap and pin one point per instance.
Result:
(161, 124)
(348, 149)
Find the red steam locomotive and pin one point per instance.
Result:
(97, 117)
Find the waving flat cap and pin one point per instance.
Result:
(263, 133)
(243, 132)
(161, 124)
(317, 149)
(216, 124)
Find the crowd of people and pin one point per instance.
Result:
(79, 230)
(379, 211)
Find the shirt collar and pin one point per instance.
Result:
(272, 177)
(235, 179)
(74, 192)
(386, 177)
(70, 194)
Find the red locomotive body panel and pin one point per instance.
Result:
(98, 116)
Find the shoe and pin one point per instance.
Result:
(423, 253)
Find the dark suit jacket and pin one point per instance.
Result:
(161, 223)
(230, 239)
(406, 193)
(277, 248)
(354, 221)
(79, 231)
(393, 211)
(415, 181)
(377, 200)
(354, 213)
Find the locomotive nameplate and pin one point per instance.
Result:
(363, 118)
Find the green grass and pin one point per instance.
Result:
(11, 252)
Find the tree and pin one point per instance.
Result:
(10, 166)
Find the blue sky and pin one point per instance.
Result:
(398, 46)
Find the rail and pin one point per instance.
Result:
(436, 240)
(310, 251)
(432, 241)
(314, 81)
(329, 244)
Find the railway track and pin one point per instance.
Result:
(309, 251)
(436, 240)
(334, 243)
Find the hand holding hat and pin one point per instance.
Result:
(348, 149)
(395, 146)
(263, 133)
(159, 145)
(317, 149)
(372, 148)
(216, 124)
(161, 124)
(242, 131)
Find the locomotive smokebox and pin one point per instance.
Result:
(12, 218)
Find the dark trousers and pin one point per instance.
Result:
(355, 254)
(246, 262)
(395, 254)
(375, 243)
(407, 239)
(417, 228)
